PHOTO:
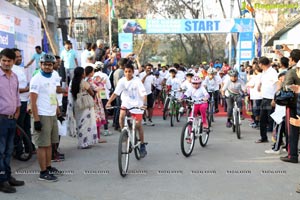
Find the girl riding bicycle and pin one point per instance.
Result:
(199, 93)
(233, 89)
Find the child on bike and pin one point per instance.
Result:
(212, 83)
(173, 85)
(199, 93)
(133, 94)
(233, 89)
(185, 85)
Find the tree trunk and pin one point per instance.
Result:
(41, 12)
(71, 23)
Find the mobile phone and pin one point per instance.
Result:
(278, 46)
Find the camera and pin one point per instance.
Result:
(278, 47)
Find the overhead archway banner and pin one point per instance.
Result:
(176, 26)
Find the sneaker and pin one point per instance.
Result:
(107, 133)
(6, 188)
(298, 188)
(143, 151)
(252, 124)
(144, 122)
(228, 124)
(47, 177)
(150, 123)
(216, 110)
(54, 171)
(271, 151)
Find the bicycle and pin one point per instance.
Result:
(191, 131)
(171, 108)
(128, 141)
(211, 109)
(23, 150)
(236, 115)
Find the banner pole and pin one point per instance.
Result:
(109, 27)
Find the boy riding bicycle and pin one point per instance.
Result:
(198, 93)
(133, 94)
(212, 84)
(233, 89)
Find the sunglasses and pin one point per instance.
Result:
(196, 83)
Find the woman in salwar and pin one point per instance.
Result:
(81, 123)
(99, 109)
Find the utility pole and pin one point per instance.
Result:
(52, 17)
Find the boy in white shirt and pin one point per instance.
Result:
(157, 84)
(133, 94)
(212, 83)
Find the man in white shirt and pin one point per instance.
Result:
(43, 88)
(147, 79)
(268, 89)
(86, 54)
(24, 118)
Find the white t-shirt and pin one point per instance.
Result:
(46, 90)
(84, 56)
(253, 84)
(233, 88)
(212, 84)
(197, 94)
(158, 82)
(268, 80)
(185, 85)
(23, 83)
(180, 75)
(105, 83)
(175, 85)
(148, 82)
(132, 93)
(163, 74)
(58, 79)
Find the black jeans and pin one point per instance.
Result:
(265, 111)
(117, 113)
(293, 135)
(24, 122)
(215, 94)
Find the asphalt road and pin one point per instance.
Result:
(227, 168)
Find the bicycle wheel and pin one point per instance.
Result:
(237, 126)
(123, 152)
(187, 139)
(137, 149)
(203, 138)
(178, 114)
(24, 145)
(166, 109)
(172, 113)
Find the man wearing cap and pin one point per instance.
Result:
(68, 56)
(9, 112)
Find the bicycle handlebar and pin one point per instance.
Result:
(112, 107)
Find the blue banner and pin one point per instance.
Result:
(7, 40)
(173, 26)
(126, 43)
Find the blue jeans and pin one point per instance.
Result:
(7, 135)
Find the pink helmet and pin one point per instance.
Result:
(196, 79)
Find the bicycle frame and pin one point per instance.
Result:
(195, 120)
(130, 129)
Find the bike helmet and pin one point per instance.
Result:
(47, 58)
(196, 79)
(233, 72)
(211, 71)
(173, 69)
(206, 67)
(189, 73)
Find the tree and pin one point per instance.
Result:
(41, 11)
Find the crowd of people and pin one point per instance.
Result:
(61, 91)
